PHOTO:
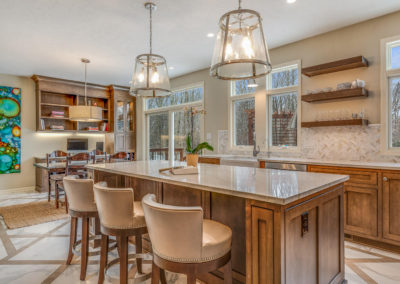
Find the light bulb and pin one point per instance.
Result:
(155, 78)
(228, 51)
(141, 77)
(247, 46)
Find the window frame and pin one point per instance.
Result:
(281, 91)
(232, 131)
(386, 74)
(171, 110)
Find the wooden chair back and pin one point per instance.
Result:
(53, 156)
(76, 164)
(121, 157)
(96, 158)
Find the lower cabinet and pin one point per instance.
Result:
(361, 210)
(391, 206)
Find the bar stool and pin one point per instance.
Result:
(120, 216)
(185, 243)
(81, 205)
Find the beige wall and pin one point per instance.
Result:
(33, 144)
(359, 39)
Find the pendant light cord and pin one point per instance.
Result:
(240, 4)
(151, 29)
(85, 83)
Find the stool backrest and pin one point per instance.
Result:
(120, 157)
(115, 206)
(175, 232)
(79, 193)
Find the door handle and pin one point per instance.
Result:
(385, 179)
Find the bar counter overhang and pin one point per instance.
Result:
(287, 226)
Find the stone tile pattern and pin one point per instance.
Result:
(37, 254)
(346, 143)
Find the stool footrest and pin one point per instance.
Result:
(147, 259)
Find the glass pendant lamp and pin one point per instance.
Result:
(85, 113)
(150, 77)
(240, 50)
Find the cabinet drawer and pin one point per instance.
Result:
(356, 175)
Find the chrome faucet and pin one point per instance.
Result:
(256, 149)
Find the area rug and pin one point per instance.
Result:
(28, 214)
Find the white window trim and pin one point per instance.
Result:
(231, 113)
(385, 102)
(170, 110)
(270, 92)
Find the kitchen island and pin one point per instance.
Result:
(287, 226)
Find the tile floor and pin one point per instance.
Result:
(37, 254)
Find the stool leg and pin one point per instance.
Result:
(191, 278)
(72, 239)
(103, 257)
(66, 202)
(84, 248)
(155, 274)
(228, 273)
(57, 193)
(162, 276)
(139, 250)
(49, 185)
(123, 260)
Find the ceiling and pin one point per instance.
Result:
(48, 37)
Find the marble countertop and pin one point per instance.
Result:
(351, 164)
(274, 186)
(57, 165)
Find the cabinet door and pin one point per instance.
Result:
(361, 210)
(262, 245)
(391, 206)
(119, 142)
(120, 116)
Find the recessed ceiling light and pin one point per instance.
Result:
(290, 1)
(210, 35)
(171, 67)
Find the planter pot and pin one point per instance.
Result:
(192, 159)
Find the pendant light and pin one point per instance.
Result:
(240, 50)
(150, 77)
(85, 113)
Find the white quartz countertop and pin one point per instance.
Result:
(274, 186)
(351, 164)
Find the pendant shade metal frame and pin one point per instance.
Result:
(85, 113)
(150, 77)
(240, 50)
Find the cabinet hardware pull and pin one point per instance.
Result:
(304, 223)
(385, 179)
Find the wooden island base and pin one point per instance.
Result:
(301, 242)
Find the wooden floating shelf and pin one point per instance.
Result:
(334, 95)
(56, 105)
(50, 117)
(347, 122)
(335, 66)
(71, 131)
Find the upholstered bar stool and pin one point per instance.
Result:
(184, 242)
(120, 216)
(81, 205)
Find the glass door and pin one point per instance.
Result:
(158, 138)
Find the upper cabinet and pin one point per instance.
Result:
(54, 97)
(124, 119)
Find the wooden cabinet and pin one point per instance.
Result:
(391, 206)
(262, 245)
(54, 97)
(361, 210)
(360, 201)
(123, 121)
(315, 241)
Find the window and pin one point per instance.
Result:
(169, 121)
(391, 89)
(283, 108)
(243, 113)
